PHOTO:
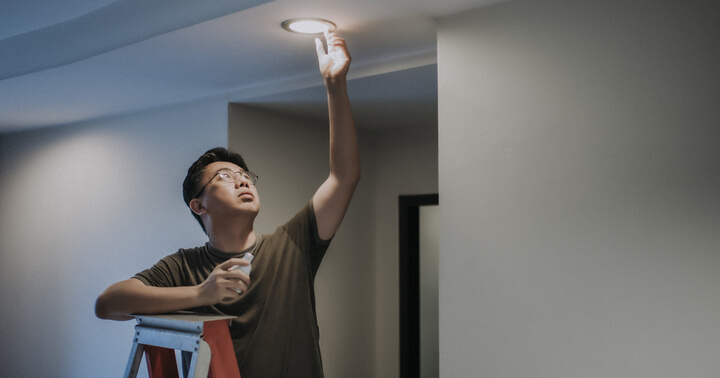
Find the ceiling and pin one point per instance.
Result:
(63, 62)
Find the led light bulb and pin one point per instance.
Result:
(308, 25)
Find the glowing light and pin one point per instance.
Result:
(308, 25)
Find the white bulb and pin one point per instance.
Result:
(308, 26)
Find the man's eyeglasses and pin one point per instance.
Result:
(230, 176)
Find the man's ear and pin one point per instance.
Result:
(196, 206)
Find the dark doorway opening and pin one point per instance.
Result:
(409, 259)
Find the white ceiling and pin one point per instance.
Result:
(63, 62)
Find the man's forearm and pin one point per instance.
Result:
(132, 296)
(344, 155)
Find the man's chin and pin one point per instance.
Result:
(249, 207)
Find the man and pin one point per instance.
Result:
(275, 333)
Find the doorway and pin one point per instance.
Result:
(418, 285)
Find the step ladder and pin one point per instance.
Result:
(207, 337)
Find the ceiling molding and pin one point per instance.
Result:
(358, 70)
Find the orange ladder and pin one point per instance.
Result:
(207, 337)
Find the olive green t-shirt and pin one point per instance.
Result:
(275, 333)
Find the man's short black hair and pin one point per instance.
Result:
(192, 183)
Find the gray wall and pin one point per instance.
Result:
(580, 188)
(290, 154)
(85, 206)
(429, 289)
(404, 161)
(90, 204)
(357, 285)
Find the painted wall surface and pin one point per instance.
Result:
(580, 187)
(290, 154)
(85, 206)
(357, 284)
(90, 204)
(404, 162)
(429, 261)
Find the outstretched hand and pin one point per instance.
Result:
(336, 62)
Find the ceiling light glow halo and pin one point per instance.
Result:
(308, 25)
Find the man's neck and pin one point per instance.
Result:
(232, 237)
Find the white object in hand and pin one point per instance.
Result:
(244, 268)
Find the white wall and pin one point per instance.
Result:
(85, 206)
(580, 181)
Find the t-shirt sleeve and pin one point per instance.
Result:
(165, 273)
(302, 230)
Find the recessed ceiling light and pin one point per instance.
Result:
(308, 25)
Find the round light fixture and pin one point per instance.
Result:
(308, 25)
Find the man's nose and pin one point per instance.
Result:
(241, 181)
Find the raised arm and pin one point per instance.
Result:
(333, 197)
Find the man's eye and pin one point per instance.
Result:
(224, 176)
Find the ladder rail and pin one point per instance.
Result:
(188, 333)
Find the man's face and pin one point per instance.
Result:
(221, 197)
